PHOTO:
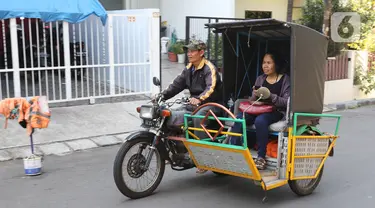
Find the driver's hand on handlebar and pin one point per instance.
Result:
(195, 101)
(156, 97)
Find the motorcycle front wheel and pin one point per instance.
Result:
(129, 168)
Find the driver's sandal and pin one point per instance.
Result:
(201, 171)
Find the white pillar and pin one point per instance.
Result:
(351, 64)
(126, 4)
(155, 47)
(68, 81)
(111, 55)
(15, 58)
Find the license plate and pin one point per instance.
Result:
(148, 122)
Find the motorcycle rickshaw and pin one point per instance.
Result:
(301, 147)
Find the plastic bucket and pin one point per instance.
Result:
(32, 165)
(164, 43)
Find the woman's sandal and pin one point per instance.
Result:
(260, 163)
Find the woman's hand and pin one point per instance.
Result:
(255, 92)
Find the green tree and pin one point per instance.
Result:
(313, 13)
(366, 9)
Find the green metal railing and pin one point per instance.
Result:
(295, 116)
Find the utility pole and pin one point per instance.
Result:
(326, 18)
(289, 15)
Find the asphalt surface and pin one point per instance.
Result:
(84, 179)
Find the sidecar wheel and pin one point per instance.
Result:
(302, 190)
(133, 168)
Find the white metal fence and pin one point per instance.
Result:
(67, 62)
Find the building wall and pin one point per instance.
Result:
(175, 12)
(112, 4)
(277, 7)
(297, 9)
(130, 4)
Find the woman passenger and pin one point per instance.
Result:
(279, 86)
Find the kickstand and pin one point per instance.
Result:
(265, 199)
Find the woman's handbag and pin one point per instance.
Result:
(257, 108)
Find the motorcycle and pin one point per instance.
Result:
(161, 124)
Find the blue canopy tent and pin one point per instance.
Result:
(72, 11)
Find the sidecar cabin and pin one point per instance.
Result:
(300, 50)
(244, 45)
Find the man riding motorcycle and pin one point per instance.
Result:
(203, 81)
(201, 78)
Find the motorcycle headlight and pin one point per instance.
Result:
(147, 112)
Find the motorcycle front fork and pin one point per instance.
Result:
(153, 146)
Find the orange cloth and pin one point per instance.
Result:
(31, 113)
(7, 105)
(272, 148)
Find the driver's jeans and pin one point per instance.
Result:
(197, 121)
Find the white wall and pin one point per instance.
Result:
(145, 4)
(336, 91)
(175, 12)
(344, 90)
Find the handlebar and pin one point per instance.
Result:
(183, 101)
(159, 99)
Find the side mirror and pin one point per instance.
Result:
(156, 81)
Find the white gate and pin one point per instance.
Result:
(68, 62)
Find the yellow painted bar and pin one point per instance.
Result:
(309, 156)
(292, 156)
(193, 135)
(250, 162)
(215, 131)
(214, 147)
(315, 137)
(288, 166)
(273, 186)
(226, 172)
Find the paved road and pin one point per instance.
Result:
(85, 180)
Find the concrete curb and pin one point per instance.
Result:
(349, 105)
(69, 146)
(63, 147)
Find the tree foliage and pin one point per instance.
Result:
(312, 16)
(366, 9)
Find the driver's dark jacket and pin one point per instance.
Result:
(203, 83)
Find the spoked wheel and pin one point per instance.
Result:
(306, 186)
(132, 176)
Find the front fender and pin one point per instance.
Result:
(139, 134)
(146, 134)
